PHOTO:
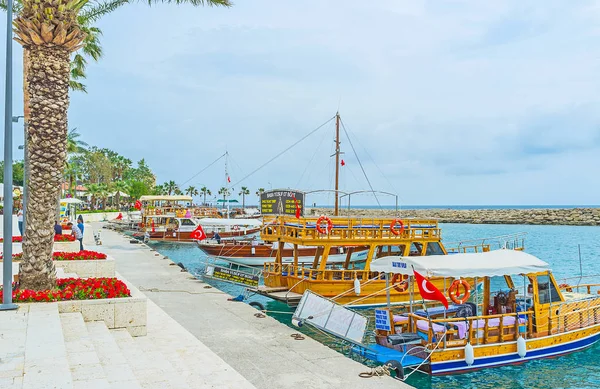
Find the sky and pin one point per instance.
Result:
(444, 102)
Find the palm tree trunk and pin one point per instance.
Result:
(48, 88)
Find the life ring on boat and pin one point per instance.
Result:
(327, 228)
(393, 227)
(454, 290)
(399, 284)
(235, 227)
(141, 225)
(566, 287)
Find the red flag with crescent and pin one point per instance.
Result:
(138, 205)
(120, 216)
(428, 290)
(298, 210)
(342, 163)
(228, 179)
(198, 233)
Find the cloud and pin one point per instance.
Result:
(447, 102)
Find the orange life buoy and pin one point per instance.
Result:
(393, 227)
(454, 291)
(327, 228)
(399, 284)
(141, 225)
(235, 227)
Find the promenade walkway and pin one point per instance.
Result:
(261, 350)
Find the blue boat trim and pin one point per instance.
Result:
(382, 354)
(565, 348)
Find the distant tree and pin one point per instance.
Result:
(243, 192)
(260, 191)
(93, 190)
(177, 192)
(205, 191)
(137, 189)
(160, 190)
(74, 144)
(191, 191)
(17, 172)
(171, 186)
(225, 192)
(103, 194)
(118, 187)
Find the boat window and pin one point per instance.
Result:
(546, 290)
(434, 248)
(416, 249)
(187, 222)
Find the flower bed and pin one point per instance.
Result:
(75, 289)
(15, 239)
(64, 238)
(83, 255)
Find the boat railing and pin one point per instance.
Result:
(510, 241)
(289, 269)
(488, 329)
(588, 288)
(569, 315)
(348, 231)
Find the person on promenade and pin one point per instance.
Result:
(80, 223)
(77, 233)
(57, 228)
(217, 237)
(20, 220)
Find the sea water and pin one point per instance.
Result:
(557, 245)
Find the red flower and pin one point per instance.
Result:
(75, 289)
(64, 238)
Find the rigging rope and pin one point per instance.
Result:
(360, 163)
(212, 163)
(284, 151)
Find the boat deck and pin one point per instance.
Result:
(383, 354)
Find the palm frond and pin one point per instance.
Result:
(77, 86)
(94, 11)
(196, 3)
(17, 6)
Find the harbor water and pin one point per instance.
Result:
(557, 245)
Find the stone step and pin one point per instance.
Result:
(116, 366)
(86, 370)
(13, 333)
(46, 363)
(171, 357)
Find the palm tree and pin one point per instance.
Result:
(118, 187)
(260, 191)
(103, 194)
(72, 170)
(160, 190)
(191, 191)
(177, 192)
(225, 192)
(170, 187)
(93, 190)
(205, 191)
(243, 192)
(50, 31)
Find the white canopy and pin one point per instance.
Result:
(166, 198)
(71, 200)
(491, 263)
(121, 194)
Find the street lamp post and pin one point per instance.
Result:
(8, 181)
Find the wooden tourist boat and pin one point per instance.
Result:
(523, 314)
(256, 253)
(348, 286)
(179, 229)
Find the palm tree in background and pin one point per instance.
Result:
(177, 192)
(225, 192)
(170, 187)
(103, 194)
(160, 189)
(50, 31)
(74, 144)
(191, 191)
(118, 187)
(243, 192)
(93, 190)
(205, 191)
(260, 191)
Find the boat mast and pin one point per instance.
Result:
(226, 183)
(337, 162)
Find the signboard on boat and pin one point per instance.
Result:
(382, 320)
(282, 202)
(234, 276)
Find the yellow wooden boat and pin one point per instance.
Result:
(522, 314)
(346, 284)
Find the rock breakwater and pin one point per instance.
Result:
(563, 216)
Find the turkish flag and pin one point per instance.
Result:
(198, 233)
(429, 291)
(138, 205)
(120, 216)
(298, 211)
(228, 179)
(343, 163)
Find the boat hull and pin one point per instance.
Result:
(185, 236)
(446, 361)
